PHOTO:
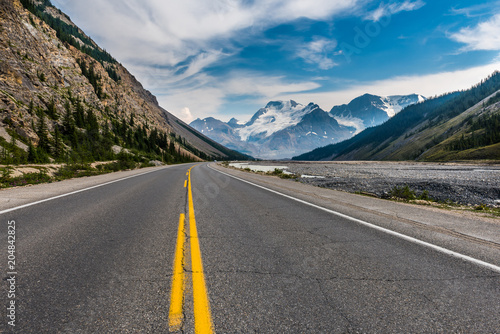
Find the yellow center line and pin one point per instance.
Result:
(201, 307)
(175, 314)
(202, 317)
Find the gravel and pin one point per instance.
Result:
(467, 184)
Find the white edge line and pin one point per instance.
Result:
(76, 191)
(376, 227)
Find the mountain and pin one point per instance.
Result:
(65, 99)
(285, 128)
(462, 125)
(370, 110)
(279, 130)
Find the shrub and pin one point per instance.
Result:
(404, 193)
(425, 196)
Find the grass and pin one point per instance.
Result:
(6, 181)
(65, 172)
(408, 195)
(279, 173)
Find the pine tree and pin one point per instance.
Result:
(51, 109)
(31, 107)
(58, 149)
(68, 121)
(32, 153)
(42, 133)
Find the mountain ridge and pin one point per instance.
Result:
(282, 129)
(65, 98)
(449, 127)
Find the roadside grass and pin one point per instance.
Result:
(279, 173)
(65, 172)
(7, 181)
(408, 195)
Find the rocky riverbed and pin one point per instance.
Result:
(467, 184)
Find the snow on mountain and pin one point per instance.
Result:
(279, 130)
(353, 122)
(283, 129)
(395, 103)
(371, 110)
(276, 116)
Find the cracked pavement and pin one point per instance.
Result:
(275, 266)
(100, 261)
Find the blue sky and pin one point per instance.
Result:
(228, 58)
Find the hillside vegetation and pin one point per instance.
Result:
(64, 99)
(456, 126)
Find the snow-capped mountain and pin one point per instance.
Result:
(223, 133)
(283, 129)
(277, 131)
(371, 110)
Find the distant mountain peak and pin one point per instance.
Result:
(370, 110)
(284, 128)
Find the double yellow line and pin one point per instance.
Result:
(201, 305)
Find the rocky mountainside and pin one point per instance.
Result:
(64, 98)
(277, 131)
(461, 125)
(371, 110)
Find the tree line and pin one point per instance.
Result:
(67, 33)
(485, 131)
(429, 113)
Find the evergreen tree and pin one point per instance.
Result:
(42, 133)
(58, 149)
(32, 153)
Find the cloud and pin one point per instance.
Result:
(426, 85)
(316, 52)
(477, 10)
(168, 45)
(204, 95)
(484, 36)
(168, 32)
(186, 115)
(385, 10)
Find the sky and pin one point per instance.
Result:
(228, 58)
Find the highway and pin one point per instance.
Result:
(189, 249)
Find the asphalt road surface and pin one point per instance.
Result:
(245, 260)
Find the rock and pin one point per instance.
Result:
(156, 163)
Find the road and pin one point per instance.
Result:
(102, 261)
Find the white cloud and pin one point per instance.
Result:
(204, 95)
(484, 36)
(186, 115)
(167, 32)
(385, 10)
(317, 51)
(426, 85)
(168, 44)
(477, 10)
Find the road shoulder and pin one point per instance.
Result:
(465, 233)
(14, 197)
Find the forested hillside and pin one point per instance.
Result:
(65, 99)
(414, 132)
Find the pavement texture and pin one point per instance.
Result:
(100, 260)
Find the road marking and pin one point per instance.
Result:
(77, 191)
(376, 227)
(185, 183)
(175, 314)
(202, 317)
